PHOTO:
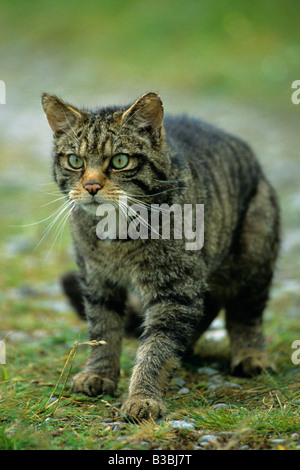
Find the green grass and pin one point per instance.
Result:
(39, 410)
(264, 409)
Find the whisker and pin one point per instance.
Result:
(40, 221)
(131, 213)
(154, 194)
(148, 205)
(59, 230)
(124, 208)
(54, 200)
(61, 210)
(169, 181)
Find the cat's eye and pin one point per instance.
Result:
(75, 162)
(119, 161)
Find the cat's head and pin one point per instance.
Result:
(102, 155)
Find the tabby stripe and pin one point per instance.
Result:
(172, 298)
(212, 176)
(180, 333)
(161, 175)
(110, 304)
(236, 233)
(63, 183)
(147, 189)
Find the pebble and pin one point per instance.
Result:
(278, 441)
(232, 385)
(27, 291)
(18, 245)
(178, 381)
(207, 440)
(207, 371)
(181, 424)
(183, 391)
(217, 382)
(114, 425)
(53, 399)
(221, 406)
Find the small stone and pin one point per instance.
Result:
(278, 441)
(27, 291)
(232, 385)
(207, 440)
(18, 245)
(183, 391)
(213, 387)
(178, 381)
(114, 425)
(53, 400)
(207, 371)
(180, 424)
(221, 406)
(216, 379)
(295, 436)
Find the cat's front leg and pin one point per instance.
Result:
(168, 331)
(105, 323)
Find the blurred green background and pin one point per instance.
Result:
(231, 63)
(247, 50)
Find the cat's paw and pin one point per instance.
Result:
(248, 363)
(140, 408)
(92, 384)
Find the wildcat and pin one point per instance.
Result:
(134, 151)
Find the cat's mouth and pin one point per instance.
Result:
(91, 205)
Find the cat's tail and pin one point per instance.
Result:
(72, 289)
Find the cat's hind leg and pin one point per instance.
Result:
(249, 356)
(251, 275)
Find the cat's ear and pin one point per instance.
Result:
(146, 113)
(61, 116)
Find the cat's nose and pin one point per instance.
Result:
(92, 188)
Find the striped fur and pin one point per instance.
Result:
(175, 160)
